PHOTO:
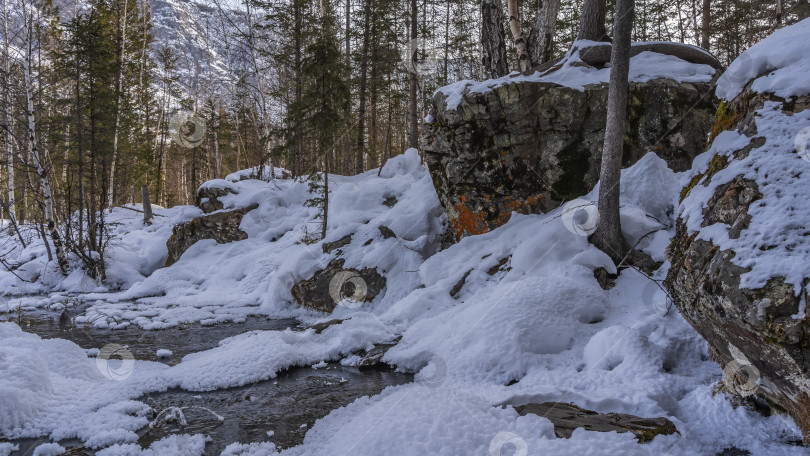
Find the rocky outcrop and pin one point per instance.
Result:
(758, 335)
(568, 417)
(526, 146)
(335, 285)
(208, 197)
(222, 227)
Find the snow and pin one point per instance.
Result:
(644, 67)
(163, 353)
(176, 445)
(774, 244)
(778, 65)
(49, 449)
(540, 324)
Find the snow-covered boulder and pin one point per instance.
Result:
(524, 143)
(740, 257)
(223, 227)
(209, 193)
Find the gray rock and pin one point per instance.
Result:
(222, 227)
(567, 417)
(208, 198)
(527, 146)
(329, 286)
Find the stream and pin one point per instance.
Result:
(279, 410)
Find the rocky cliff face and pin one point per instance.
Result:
(737, 274)
(526, 146)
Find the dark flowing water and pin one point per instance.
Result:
(279, 410)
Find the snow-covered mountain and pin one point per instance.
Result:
(204, 38)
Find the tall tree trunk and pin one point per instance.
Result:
(120, 89)
(706, 24)
(520, 43)
(347, 140)
(493, 42)
(35, 154)
(12, 212)
(413, 134)
(361, 109)
(608, 236)
(541, 37)
(592, 22)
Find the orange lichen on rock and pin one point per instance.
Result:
(467, 221)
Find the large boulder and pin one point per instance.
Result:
(335, 285)
(528, 145)
(740, 256)
(222, 227)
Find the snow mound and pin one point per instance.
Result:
(779, 64)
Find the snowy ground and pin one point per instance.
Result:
(539, 322)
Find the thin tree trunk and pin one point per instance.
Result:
(520, 43)
(12, 212)
(120, 89)
(592, 23)
(544, 28)
(347, 141)
(608, 236)
(147, 205)
(493, 42)
(705, 24)
(413, 134)
(32, 140)
(361, 110)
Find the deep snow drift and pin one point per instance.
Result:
(537, 321)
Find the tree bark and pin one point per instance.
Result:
(413, 136)
(520, 43)
(361, 110)
(147, 205)
(705, 24)
(9, 117)
(608, 236)
(544, 28)
(493, 41)
(592, 23)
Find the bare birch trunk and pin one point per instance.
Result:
(520, 43)
(35, 154)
